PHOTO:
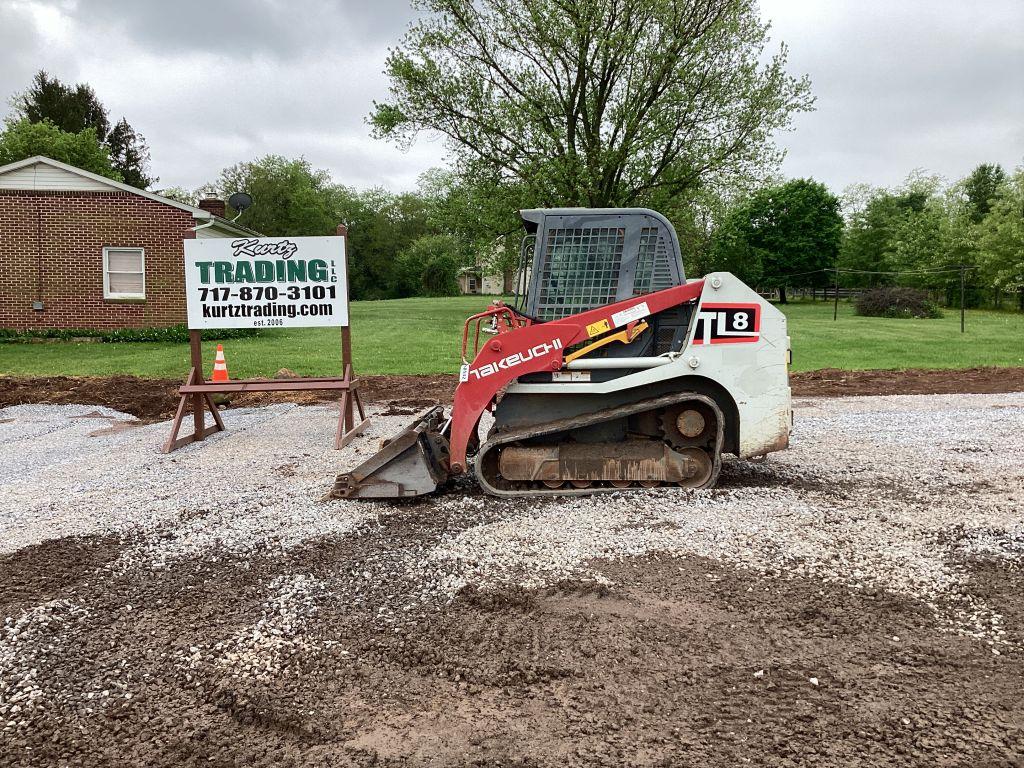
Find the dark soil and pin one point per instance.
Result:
(658, 670)
(832, 382)
(156, 399)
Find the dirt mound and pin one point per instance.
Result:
(156, 399)
(682, 661)
(149, 399)
(833, 382)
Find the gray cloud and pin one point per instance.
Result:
(243, 29)
(920, 83)
(899, 86)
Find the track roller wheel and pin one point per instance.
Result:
(620, 483)
(580, 483)
(553, 484)
(650, 483)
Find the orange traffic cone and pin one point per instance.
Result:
(220, 367)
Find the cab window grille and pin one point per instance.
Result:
(580, 270)
(644, 274)
(663, 276)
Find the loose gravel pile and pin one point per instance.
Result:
(269, 647)
(893, 498)
(25, 644)
(876, 492)
(76, 470)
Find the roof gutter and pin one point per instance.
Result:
(226, 224)
(210, 223)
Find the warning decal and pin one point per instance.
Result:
(626, 316)
(728, 324)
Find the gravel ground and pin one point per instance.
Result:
(75, 470)
(214, 582)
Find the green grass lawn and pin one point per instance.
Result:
(423, 336)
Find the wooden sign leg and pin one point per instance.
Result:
(195, 341)
(348, 428)
(179, 414)
(200, 402)
(215, 412)
(359, 404)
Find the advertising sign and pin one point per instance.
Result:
(266, 282)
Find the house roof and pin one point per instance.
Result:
(103, 182)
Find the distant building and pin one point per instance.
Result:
(475, 280)
(486, 280)
(78, 250)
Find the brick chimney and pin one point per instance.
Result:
(214, 205)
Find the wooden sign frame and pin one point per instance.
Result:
(199, 392)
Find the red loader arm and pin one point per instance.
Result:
(534, 347)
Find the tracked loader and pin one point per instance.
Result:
(609, 371)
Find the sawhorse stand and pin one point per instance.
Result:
(200, 393)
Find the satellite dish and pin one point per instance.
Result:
(240, 201)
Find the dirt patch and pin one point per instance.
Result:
(832, 382)
(680, 661)
(148, 399)
(46, 571)
(156, 399)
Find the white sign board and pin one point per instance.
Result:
(266, 282)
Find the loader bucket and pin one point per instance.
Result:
(413, 462)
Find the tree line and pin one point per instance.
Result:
(70, 124)
(668, 104)
(797, 234)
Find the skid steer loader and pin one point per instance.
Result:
(609, 371)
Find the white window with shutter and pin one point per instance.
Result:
(124, 273)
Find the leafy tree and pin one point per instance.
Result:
(180, 194)
(75, 108)
(732, 249)
(381, 226)
(289, 197)
(916, 244)
(130, 155)
(884, 232)
(699, 219)
(981, 186)
(779, 234)
(481, 216)
(1001, 237)
(431, 265)
(23, 139)
(593, 102)
(923, 231)
(72, 109)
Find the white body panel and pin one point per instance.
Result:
(755, 372)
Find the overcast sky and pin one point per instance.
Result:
(901, 84)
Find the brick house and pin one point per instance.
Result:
(78, 250)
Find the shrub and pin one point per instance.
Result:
(430, 266)
(441, 277)
(894, 301)
(176, 333)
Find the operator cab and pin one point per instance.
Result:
(576, 259)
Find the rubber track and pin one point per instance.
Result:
(576, 422)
